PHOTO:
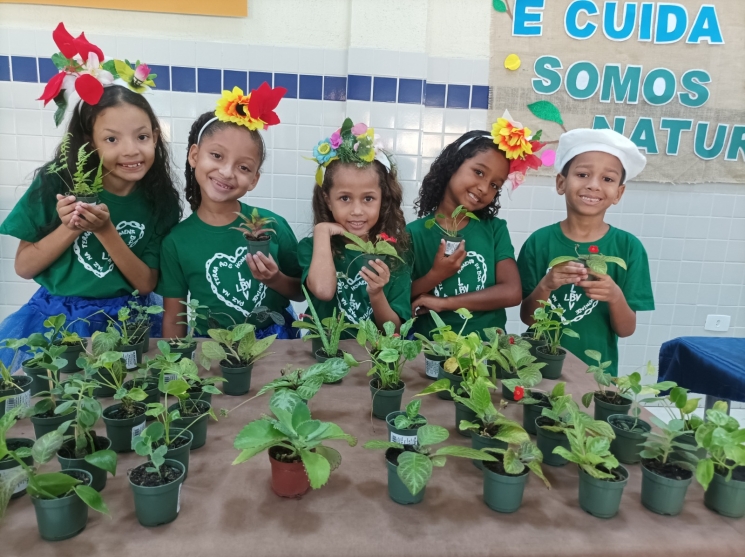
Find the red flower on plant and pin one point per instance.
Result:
(390, 239)
(593, 249)
(304, 315)
(512, 340)
(396, 335)
(519, 393)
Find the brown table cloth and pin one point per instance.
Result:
(230, 510)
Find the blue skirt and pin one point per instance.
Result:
(30, 318)
(284, 332)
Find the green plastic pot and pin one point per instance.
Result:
(628, 444)
(397, 491)
(197, 425)
(98, 475)
(455, 381)
(533, 342)
(554, 363)
(663, 495)
(601, 498)
(21, 395)
(479, 442)
(71, 354)
(200, 395)
(186, 351)
(42, 426)
(463, 412)
(690, 440)
(258, 246)
(547, 441)
(603, 409)
(386, 401)
(365, 258)
(432, 366)
(122, 431)
(104, 391)
(40, 378)
(181, 453)
(495, 369)
(531, 412)
(322, 357)
(403, 436)
(726, 497)
(64, 517)
(161, 504)
(151, 390)
(238, 379)
(131, 354)
(7, 464)
(506, 393)
(315, 345)
(503, 493)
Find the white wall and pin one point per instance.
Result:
(695, 235)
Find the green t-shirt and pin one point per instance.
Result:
(351, 289)
(85, 268)
(589, 318)
(487, 243)
(209, 262)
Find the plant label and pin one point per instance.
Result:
(130, 359)
(403, 439)
(169, 377)
(431, 368)
(136, 430)
(450, 247)
(22, 400)
(21, 486)
(178, 502)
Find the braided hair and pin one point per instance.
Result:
(446, 164)
(192, 191)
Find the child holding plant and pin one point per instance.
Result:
(89, 256)
(206, 256)
(356, 209)
(600, 301)
(458, 205)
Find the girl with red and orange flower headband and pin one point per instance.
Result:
(207, 256)
(462, 253)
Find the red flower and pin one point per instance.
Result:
(519, 393)
(65, 41)
(262, 103)
(89, 88)
(52, 89)
(593, 249)
(304, 315)
(390, 239)
(512, 340)
(396, 335)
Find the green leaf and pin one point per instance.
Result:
(46, 447)
(587, 399)
(213, 351)
(382, 445)
(463, 452)
(8, 484)
(436, 387)
(92, 498)
(317, 468)
(431, 435)
(257, 434)
(414, 470)
(562, 259)
(53, 483)
(546, 110)
(705, 472)
(499, 6)
(332, 455)
(106, 460)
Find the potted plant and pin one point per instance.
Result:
(187, 346)
(80, 184)
(534, 401)
(139, 324)
(436, 350)
(60, 499)
(722, 472)
(48, 412)
(665, 479)
(505, 477)
(388, 353)
(369, 251)
(307, 382)
(679, 406)
(172, 365)
(148, 383)
(15, 390)
(86, 450)
(452, 227)
(594, 260)
(601, 478)
(8, 465)
(294, 441)
(410, 467)
(519, 368)
(549, 321)
(255, 231)
(497, 339)
(236, 351)
(607, 402)
(402, 426)
(57, 343)
(120, 336)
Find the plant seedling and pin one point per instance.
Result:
(595, 261)
(235, 347)
(545, 326)
(724, 441)
(516, 458)
(590, 452)
(410, 419)
(80, 184)
(452, 223)
(388, 351)
(254, 227)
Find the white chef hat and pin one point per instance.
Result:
(583, 140)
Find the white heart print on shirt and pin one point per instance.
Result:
(232, 282)
(99, 262)
(472, 274)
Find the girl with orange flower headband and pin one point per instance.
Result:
(462, 253)
(230, 256)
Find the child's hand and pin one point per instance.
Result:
(445, 266)
(329, 229)
(602, 289)
(65, 210)
(566, 273)
(263, 268)
(375, 283)
(426, 302)
(91, 218)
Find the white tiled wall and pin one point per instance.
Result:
(694, 234)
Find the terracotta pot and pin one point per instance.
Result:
(289, 479)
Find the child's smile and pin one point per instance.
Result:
(476, 182)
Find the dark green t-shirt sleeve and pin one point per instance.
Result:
(304, 255)
(172, 281)
(288, 249)
(29, 215)
(637, 288)
(503, 248)
(528, 266)
(399, 292)
(151, 255)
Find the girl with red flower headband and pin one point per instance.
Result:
(205, 257)
(91, 254)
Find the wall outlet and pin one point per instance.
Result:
(719, 323)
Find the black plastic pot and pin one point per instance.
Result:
(196, 424)
(322, 357)
(21, 394)
(531, 412)
(604, 409)
(132, 355)
(601, 498)
(238, 379)
(628, 444)
(181, 453)
(7, 464)
(385, 401)
(161, 504)
(104, 391)
(122, 431)
(451, 243)
(554, 363)
(455, 381)
(40, 378)
(258, 246)
(64, 517)
(151, 390)
(367, 257)
(186, 351)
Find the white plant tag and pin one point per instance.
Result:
(169, 377)
(136, 430)
(450, 247)
(178, 503)
(22, 400)
(431, 368)
(21, 486)
(403, 439)
(130, 359)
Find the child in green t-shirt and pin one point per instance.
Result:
(358, 194)
(206, 256)
(593, 166)
(480, 273)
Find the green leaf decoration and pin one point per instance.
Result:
(59, 114)
(92, 498)
(546, 110)
(415, 470)
(499, 6)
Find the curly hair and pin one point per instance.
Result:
(161, 194)
(192, 192)
(391, 218)
(446, 164)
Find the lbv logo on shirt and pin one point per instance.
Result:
(472, 274)
(94, 257)
(574, 308)
(231, 281)
(351, 299)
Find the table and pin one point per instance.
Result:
(230, 510)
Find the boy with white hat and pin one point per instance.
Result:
(593, 167)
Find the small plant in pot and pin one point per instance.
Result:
(15, 390)
(679, 406)
(665, 478)
(79, 183)
(601, 478)
(381, 248)
(299, 459)
(187, 346)
(607, 402)
(505, 478)
(256, 231)
(437, 349)
(594, 260)
(307, 382)
(48, 412)
(60, 499)
(42, 364)
(550, 322)
(8, 465)
(519, 368)
(402, 426)
(534, 401)
(722, 472)
(172, 365)
(388, 353)
(236, 351)
(57, 342)
(139, 324)
(451, 227)
(410, 466)
(497, 339)
(120, 336)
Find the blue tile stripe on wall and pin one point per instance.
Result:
(299, 86)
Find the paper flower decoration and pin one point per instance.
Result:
(512, 62)
(138, 79)
(254, 111)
